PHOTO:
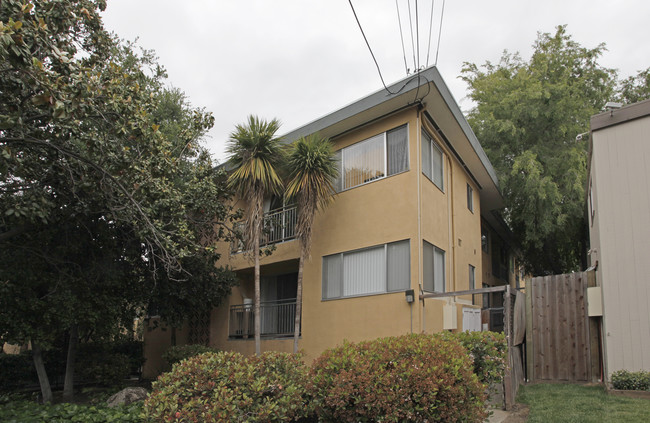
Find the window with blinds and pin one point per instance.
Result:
(383, 155)
(374, 270)
(433, 272)
(432, 164)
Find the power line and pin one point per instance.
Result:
(440, 32)
(401, 36)
(417, 34)
(433, 3)
(411, 27)
(370, 49)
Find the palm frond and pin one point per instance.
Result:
(312, 168)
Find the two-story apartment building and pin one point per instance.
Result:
(414, 192)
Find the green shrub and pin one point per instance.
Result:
(105, 369)
(180, 352)
(16, 370)
(488, 351)
(414, 378)
(30, 411)
(636, 381)
(228, 387)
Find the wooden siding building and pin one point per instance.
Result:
(618, 207)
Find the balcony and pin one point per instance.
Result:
(278, 319)
(279, 226)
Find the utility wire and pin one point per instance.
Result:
(433, 3)
(415, 65)
(417, 34)
(440, 32)
(370, 49)
(401, 36)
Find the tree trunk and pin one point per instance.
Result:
(256, 251)
(68, 384)
(173, 336)
(46, 389)
(296, 329)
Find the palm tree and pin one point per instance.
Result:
(312, 167)
(255, 154)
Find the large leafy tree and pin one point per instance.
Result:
(635, 88)
(311, 167)
(107, 201)
(256, 156)
(528, 114)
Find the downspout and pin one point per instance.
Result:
(418, 152)
(452, 227)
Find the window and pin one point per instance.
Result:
(485, 239)
(374, 270)
(374, 158)
(470, 198)
(486, 297)
(591, 202)
(472, 277)
(432, 164)
(434, 268)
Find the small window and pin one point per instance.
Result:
(432, 163)
(592, 212)
(485, 242)
(472, 277)
(373, 158)
(375, 270)
(486, 297)
(433, 268)
(470, 198)
(472, 280)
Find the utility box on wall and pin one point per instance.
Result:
(595, 301)
(449, 317)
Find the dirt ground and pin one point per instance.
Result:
(518, 414)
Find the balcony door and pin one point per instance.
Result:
(278, 295)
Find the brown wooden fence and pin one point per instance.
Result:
(558, 346)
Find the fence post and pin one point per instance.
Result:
(507, 379)
(530, 369)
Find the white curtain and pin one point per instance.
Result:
(427, 271)
(364, 161)
(438, 270)
(433, 272)
(426, 155)
(364, 272)
(397, 144)
(398, 266)
(436, 165)
(332, 276)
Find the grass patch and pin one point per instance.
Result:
(584, 404)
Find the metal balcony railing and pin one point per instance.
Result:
(278, 319)
(279, 226)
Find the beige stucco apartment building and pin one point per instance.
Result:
(618, 202)
(414, 211)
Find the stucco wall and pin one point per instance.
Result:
(399, 207)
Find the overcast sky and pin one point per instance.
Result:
(298, 60)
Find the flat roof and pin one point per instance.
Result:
(624, 114)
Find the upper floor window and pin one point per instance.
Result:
(432, 163)
(470, 198)
(374, 158)
(374, 270)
